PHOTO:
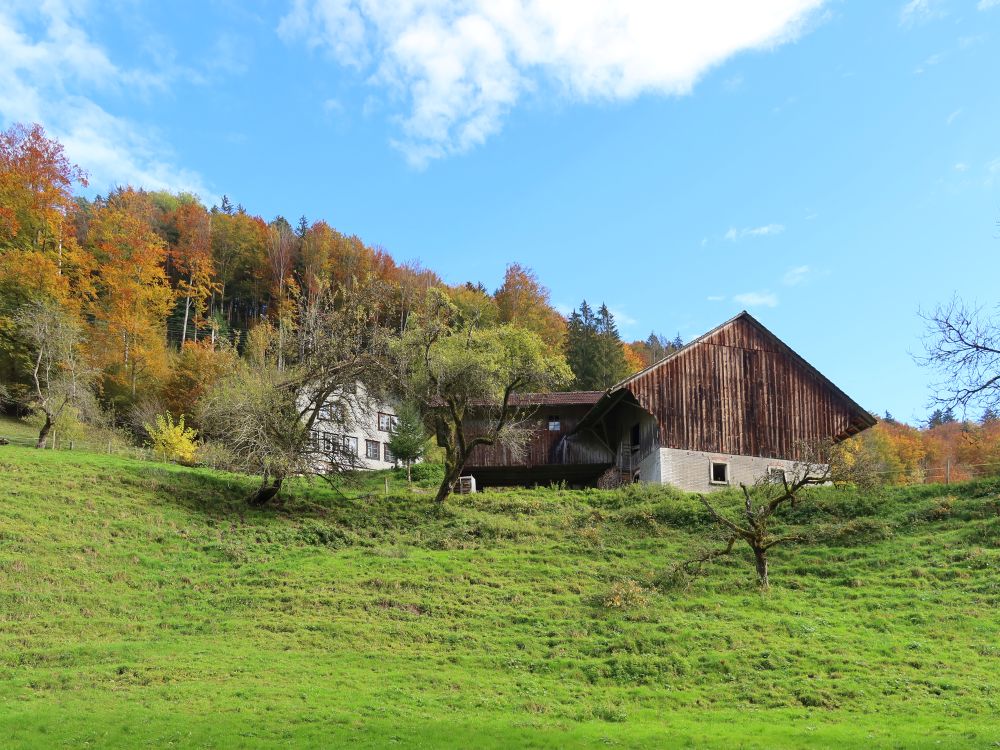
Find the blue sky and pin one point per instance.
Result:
(831, 166)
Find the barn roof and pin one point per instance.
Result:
(862, 414)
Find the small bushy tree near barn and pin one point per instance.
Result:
(456, 370)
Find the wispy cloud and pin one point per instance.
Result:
(622, 318)
(734, 234)
(935, 59)
(920, 11)
(457, 68)
(794, 276)
(757, 299)
(47, 52)
(953, 116)
(987, 4)
(716, 297)
(992, 172)
(961, 166)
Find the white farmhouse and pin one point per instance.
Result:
(357, 425)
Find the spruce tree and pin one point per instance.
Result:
(611, 363)
(408, 439)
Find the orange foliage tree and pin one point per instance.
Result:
(134, 295)
(523, 301)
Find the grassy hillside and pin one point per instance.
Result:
(145, 605)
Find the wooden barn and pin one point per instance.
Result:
(730, 407)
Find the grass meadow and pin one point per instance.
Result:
(144, 604)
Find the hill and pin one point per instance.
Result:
(144, 604)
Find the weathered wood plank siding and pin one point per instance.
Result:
(739, 391)
(543, 446)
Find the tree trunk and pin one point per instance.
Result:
(452, 471)
(409, 476)
(187, 310)
(43, 434)
(760, 560)
(266, 492)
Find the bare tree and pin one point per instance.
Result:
(60, 377)
(962, 343)
(265, 412)
(822, 463)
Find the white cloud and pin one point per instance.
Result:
(757, 299)
(734, 234)
(457, 68)
(987, 4)
(953, 116)
(715, 298)
(795, 275)
(48, 61)
(920, 11)
(961, 166)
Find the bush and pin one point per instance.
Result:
(625, 594)
(426, 472)
(172, 441)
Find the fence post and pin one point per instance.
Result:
(947, 471)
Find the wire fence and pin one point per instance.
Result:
(109, 447)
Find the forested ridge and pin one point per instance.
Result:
(149, 274)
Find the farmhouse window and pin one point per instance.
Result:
(372, 449)
(390, 457)
(775, 475)
(720, 472)
(554, 423)
(384, 422)
(350, 445)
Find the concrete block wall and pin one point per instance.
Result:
(692, 470)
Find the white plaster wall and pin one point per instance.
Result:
(691, 470)
(360, 421)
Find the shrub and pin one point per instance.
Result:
(625, 594)
(426, 472)
(172, 441)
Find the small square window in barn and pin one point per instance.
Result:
(776, 475)
(720, 472)
(554, 425)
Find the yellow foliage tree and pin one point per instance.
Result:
(172, 440)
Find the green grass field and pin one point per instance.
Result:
(145, 605)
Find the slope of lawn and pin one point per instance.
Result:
(145, 605)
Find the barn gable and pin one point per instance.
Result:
(740, 390)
